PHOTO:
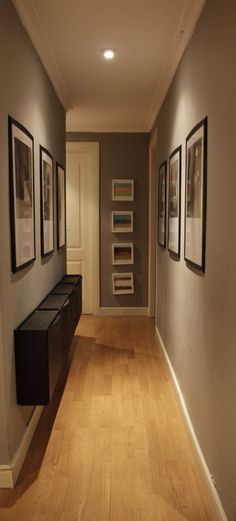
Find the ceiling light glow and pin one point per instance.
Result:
(108, 53)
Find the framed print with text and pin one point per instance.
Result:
(174, 202)
(161, 228)
(22, 203)
(195, 196)
(47, 202)
(61, 206)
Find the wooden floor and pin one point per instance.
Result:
(115, 448)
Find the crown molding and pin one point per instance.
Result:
(32, 24)
(182, 37)
(139, 129)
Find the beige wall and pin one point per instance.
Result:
(196, 314)
(3, 423)
(27, 95)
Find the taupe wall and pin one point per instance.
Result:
(196, 314)
(27, 95)
(122, 156)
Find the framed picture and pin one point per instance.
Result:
(61, 206)
(122, 283)
(123, 253)
(122, 222)
(162, 205)
(47, 202)
(22, 205)
(174, 202)
(122, 189)
(195, 196)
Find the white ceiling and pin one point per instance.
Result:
(122, 95)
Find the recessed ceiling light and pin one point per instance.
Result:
(109, 54)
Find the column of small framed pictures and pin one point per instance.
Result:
(122, 222)
(195, 199)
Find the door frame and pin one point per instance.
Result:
(152, 226)
(92, 148)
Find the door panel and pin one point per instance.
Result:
(79, 222)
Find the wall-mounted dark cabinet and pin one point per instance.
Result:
(42, 342)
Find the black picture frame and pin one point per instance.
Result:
(161, 225)
(22, 195)
(46, 201)
(61, 206)
(174, 202)
(195, 196)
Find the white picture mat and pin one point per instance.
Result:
(47, 224)
(173, 222)
(173, 238)
(24, 228)
(122, 229)
(162, 203)
(122, 283)
(194, 240)
(125, 245)
(116, 197)
(193, 230)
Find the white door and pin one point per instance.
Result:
(82, 217)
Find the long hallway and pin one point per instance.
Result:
(118, 449)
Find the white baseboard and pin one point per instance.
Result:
(220, 513)
(117, 312)
(9, 473)
(6, 476)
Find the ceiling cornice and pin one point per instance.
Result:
(31, 21)
(109, 128)
(184, 32)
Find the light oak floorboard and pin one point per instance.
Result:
(112, 445)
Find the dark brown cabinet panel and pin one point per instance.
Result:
(43, 340)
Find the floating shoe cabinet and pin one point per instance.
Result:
(43, 340)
